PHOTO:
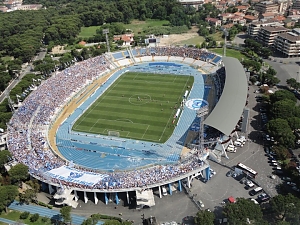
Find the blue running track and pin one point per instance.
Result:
(45, 212)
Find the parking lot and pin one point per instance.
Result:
(252, 154)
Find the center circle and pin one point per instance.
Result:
(139, 99)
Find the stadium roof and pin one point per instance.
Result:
(229, 108)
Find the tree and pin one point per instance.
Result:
(281, 131)
(283, 109)
(19, 172)
(286, 207)
(294, 123)
(28, 196)
(291, 82)
(243, 210)
(5, 157)
(7, 195)
(281, 95)
(66, 214)
(204, 217)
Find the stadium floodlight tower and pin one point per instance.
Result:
(106, 32)
(225, 32)
(200, 114)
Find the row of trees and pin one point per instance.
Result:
(282, 210)
(254, 46)
(23, 32)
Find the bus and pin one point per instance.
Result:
(247, 170)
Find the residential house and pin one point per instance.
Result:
(250, 18)
(126, 38)
(266, 7)
(266, 16)
(213, 21)
(242, 8)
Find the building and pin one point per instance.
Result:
(30, 7)
(254, 27)
(296, 5)
(266, 7)
(213, 21)
(194, 3)
(288, 43)
(126, 38)
(250, 18)
(267, 34)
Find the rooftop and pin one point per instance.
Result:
(291, 37)
(275, 28)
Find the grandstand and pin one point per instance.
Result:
(91, 162)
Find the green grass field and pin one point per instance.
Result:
(136, 26)
(139, 106)
(229, 52)
(86, 32)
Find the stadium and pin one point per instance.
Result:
(135, 121)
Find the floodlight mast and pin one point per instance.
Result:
(225, 42)
(200, 114)
(106, 32)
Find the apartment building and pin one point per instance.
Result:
(266, 7)
(254, 27)
(296, 5)
(267, 34)
(288, 43)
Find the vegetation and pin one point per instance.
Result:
(204, 217)
(243, 210)
(148, 103)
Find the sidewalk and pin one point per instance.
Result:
(45, 212)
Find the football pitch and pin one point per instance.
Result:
(138, 106)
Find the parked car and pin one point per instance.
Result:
(291, 183)
(200, 203)
(229, 173)
(263, 198)
(286, 178)
(253, 200)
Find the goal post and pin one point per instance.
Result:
(113, 133)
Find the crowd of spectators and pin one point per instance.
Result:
(185, 52)
(219, 81)
(27, 130)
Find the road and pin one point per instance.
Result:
(25, 70)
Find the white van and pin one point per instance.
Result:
(238, 144)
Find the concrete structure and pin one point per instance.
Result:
(288, 43)
(194, 3)
(266, 35)
(254, 27)
(266, 7)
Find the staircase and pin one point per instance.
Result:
(129, 50)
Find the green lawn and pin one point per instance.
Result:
(139, 106)
(193, 41)
(136, 26)
(15, 216)
(87, 32)
(229, 52)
